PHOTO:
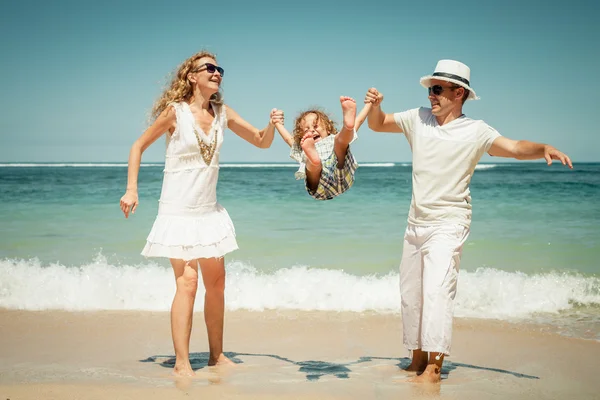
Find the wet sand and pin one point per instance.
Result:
(295, 355)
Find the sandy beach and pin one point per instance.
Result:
(302, 355)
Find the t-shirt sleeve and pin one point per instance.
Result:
(488, 136)
(406, 121)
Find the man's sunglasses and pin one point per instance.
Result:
(439, 89)
(210, 68)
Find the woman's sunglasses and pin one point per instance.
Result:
(439, 89)
(210, 68)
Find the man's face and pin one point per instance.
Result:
(443, 103)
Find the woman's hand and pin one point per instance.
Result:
(129, 202)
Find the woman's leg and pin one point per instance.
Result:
(213, 275)
(182, 309)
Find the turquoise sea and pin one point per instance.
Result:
(533, 254)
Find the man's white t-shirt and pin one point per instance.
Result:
(444, 159)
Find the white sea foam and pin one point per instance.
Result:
(485, 166)
(376, 164)
(485, 293)
(477, 167)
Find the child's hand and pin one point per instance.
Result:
(276, 117)
(278, 120)
(373, 97)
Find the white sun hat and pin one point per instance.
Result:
(451, 71)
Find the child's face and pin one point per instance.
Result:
(311, 124)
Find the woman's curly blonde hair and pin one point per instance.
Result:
(180, 88)
(323, 119)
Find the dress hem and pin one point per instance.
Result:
(187, 253)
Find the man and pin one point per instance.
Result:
(446, 147)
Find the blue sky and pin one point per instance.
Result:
(78, 78)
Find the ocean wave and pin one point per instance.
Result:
(485, 166)
(374, 164)
(98, 285)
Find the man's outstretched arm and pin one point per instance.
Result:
(525, 150)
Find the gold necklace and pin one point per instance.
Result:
(207, 151)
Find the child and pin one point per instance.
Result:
(326, 163)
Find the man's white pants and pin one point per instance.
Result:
(428, 277)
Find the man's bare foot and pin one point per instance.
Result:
(308, 145)
(183, 370)
(221, 360)
(348, 111)
(432, 374)
(418, 362)
(416, 366)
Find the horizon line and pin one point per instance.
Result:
(506, 161)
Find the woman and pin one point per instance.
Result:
(191, 228)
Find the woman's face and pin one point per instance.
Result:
(206, 75)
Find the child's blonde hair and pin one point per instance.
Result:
(322, 118)
(180, 88)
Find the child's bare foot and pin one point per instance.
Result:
(349, 111)
(308, 145)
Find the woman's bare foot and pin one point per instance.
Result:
(221, 360)
(183, 369)
(348, 111)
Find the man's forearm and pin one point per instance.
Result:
(376, 118)
(526, 150)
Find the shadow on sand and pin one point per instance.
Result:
(316, 369)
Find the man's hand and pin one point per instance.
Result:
(373, 97)
(551, 153)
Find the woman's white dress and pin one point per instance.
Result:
(190, 223)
